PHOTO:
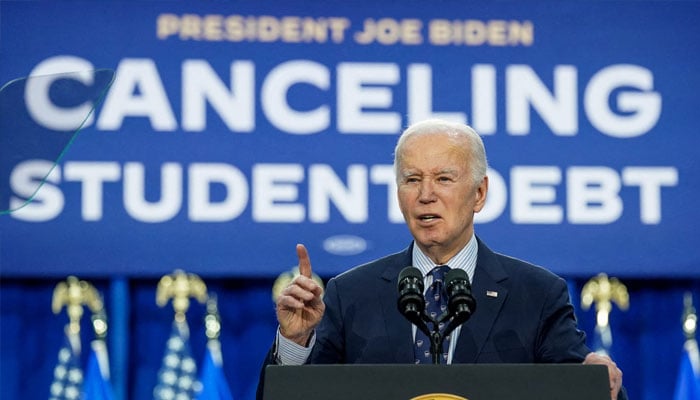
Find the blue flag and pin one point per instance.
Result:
(688, 382)
(177, 378)
(97, 386)
(67, 374)
(214, 385)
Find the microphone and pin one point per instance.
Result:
(411, 302)
(460, 304)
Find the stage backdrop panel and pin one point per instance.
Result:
(234, 130)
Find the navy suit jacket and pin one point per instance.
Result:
(526, 317)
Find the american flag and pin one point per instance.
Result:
(177, 378)
(67, 375)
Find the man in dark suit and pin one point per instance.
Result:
(523, 312)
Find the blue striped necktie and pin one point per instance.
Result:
(435, 305)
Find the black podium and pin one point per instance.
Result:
(439, 382)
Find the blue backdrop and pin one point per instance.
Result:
(234, 130)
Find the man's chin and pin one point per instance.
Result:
(428, 241)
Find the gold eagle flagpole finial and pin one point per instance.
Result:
(180, 286)
(74, 293)
(603, 292)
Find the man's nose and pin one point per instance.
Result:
(427, 191)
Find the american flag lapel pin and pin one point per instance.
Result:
(491, 293)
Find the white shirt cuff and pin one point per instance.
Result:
(290, 353)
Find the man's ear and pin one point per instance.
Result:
(480, 194)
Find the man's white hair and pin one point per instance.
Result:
(459, 132)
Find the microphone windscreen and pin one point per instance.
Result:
(410, 272)
(455, 274)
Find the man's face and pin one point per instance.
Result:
(437, 195)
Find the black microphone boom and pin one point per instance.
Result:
(461, 304)
(411, 302)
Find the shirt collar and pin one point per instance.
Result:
(465, 259)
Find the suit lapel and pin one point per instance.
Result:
(397, 327)
(490, 294)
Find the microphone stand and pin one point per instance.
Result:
(411, 304)
(437, 338)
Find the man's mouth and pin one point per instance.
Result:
(428, 217)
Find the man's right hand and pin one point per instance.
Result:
(300, 305)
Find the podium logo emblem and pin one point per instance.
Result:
(439, 396)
